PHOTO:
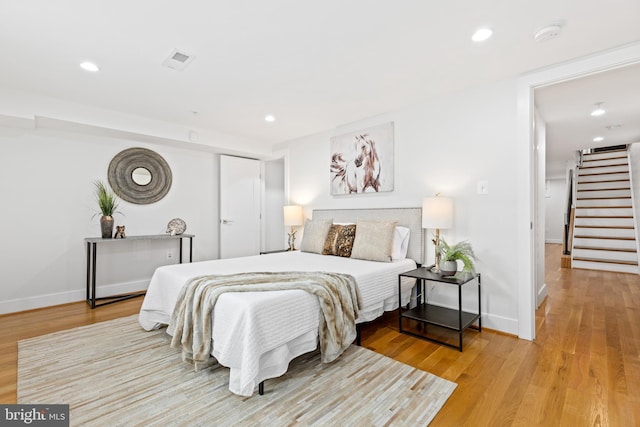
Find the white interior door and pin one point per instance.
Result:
(240, 190)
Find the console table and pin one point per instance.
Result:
(92, 249)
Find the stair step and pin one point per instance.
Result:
(604, 237)
(623, 193)
(597, 203)
(591, 158)
(583, 179)
(603, 198)
(603, 189)
(605, 154)
(604, 180)
(605, 254)
(605, 260)
(619, 233)
(605, 244)
(593, 171)
(599, 159)
(605, 212)
(604, 207)
(618, 161)
(605, 216)
(592, 248)
(599, 185)
(604, 222)
(605, 169)
(604, 166)
(619, 268)
(623, 227)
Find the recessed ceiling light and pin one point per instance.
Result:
(89, 66)
(482, 34)
(269, 118)
(598, 139)
(598, 111)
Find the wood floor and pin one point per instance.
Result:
(582, 370)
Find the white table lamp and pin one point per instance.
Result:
(437, 213)
(293, 217)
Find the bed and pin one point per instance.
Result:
(257, 334)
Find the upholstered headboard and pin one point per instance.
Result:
(406, 217)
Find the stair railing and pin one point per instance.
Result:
(567, 215)
(580, 153)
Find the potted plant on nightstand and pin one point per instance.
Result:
(108, 203)
(452, 253)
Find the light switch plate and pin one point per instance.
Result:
(483, 187)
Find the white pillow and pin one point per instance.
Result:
(314, 235)
(373, 240)
(400, 243)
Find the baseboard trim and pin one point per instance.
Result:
(48, 300)
(491, 321)
(542, 294)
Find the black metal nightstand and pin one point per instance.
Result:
(429, 314)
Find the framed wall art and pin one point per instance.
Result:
(362, 161)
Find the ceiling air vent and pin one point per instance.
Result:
(178, 60)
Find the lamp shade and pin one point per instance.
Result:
(293, 215)
(437, 212)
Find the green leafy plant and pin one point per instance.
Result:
(460, 251)
(107, 201)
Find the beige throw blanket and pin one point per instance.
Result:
(337, 293)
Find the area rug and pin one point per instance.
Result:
(116, 374)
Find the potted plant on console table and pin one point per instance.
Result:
(108, 203)
(452, 253)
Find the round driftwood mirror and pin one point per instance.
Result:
(139, 176)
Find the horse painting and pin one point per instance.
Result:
(358, 173)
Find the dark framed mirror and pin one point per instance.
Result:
(139, 175)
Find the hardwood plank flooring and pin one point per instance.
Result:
(583, 369)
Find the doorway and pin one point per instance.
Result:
(528, 174)
(240, 206)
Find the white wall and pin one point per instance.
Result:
(446, 145)
(555, 207)
(273, 216)
(46, 188)
(540, 167)
(634, 161)
(71, 115)
(53, 150)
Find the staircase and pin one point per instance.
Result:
(604, 236)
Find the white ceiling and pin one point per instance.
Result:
(566, 109)
(313, 65)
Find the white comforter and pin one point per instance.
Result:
(257, 334)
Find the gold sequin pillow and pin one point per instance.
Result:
(340, 240)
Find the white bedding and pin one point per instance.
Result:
(257, 334)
